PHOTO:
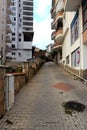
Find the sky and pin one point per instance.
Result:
(42, 23)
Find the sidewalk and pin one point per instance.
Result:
(38, 106)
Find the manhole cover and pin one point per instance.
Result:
(71, 106)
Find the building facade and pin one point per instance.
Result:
(70, 35)
(20, 49)
(5, 31)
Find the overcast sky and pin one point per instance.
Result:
(42, 23)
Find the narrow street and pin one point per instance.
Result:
(38, 106)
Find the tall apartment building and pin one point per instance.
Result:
(5, 22)
(2, 31)
(70, 35)
(20, 49)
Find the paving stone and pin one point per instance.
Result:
(38, 105)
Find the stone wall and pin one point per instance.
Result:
(19, 81)
(21, 75)
(2, 93)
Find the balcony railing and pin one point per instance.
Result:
(8, 39)
(72, 5)
(8, 19)
(56, 46)
(59, 15)
(8, 29)
(59, 35)
(53, 35)
(9, 11)
(9, 2)
(53, 25)
(85, 37)
(53, 13)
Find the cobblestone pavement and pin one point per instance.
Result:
(38, 106)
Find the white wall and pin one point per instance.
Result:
(85, 57)
(67, 47)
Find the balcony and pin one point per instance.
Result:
(8, 19)
(56, 46)
(8, 39)
(53, 36)
(59, 15)
(59, 35)
(53, 25)
(85, 37)
(8, 48)
(8, 29)
(72, 6)
(9, 2)
(27, 28)
(53, 13)
(9, 11)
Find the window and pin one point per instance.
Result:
(19, 39)
(14, 19)
(13, 34)
(75, 58)
(3, 10)
(13, 39)
(13, 45)
(19, 54)
(75, 28)
(13, 53)
(13, 23)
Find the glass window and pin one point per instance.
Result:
(75, 28)
(75, 58)
(13, 53)
(13, 39)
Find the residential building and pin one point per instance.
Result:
(57, 12)
(48, 49)
(70, 36)
(5, 12)
(20, 49)
(38, 53)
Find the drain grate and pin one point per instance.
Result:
(71, 106)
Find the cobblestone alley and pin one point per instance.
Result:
(38, 106)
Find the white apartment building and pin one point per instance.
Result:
(20, 49)
(70, 36)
